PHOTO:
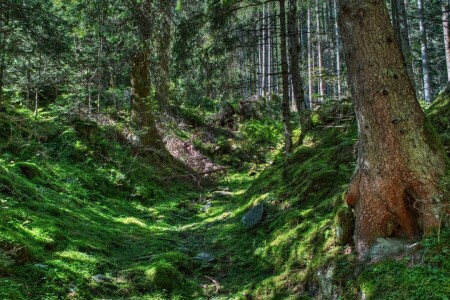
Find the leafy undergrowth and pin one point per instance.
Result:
(83, 218)
(75, 203)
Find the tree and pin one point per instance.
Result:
(285, 77)
(294, 55)
(395, 190)
(446, 28)
(424, 53)
(142, 118)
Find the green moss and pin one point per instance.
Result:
(163, 276)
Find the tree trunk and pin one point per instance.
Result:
(294, 53)
(285, 78)
(446, 28)
(337, 50)
(162, 91)
(310, 63)
(395, 190)
(319, 53)
(424, 52)
(142, 120)
(400, 24)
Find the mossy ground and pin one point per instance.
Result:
(76, 205)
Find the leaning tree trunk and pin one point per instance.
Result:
(395, 190)
(285, 77)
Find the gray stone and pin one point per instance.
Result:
(387, 248)
(206, 207)
(221, 194)
(205, 257)
(324, 277)
(41, 266)
(253, 216)
(101, 278)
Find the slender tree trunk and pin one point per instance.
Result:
(285, 78)
(310, 62)
(446, 28)
(269, 55)
(2, 64)
(276, 54)
(36, 102)
(294, 54)
(162, 91)
(400, 24)
(337, 50)
(395, 190)
(424, 50)
(319, 53)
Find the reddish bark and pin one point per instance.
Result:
(395, 190)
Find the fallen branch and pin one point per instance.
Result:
(215, 282)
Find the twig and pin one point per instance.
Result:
(215, 282)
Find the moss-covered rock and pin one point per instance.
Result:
(344, 224)
(163, 275)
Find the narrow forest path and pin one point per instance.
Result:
(184, 231)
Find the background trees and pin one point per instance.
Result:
(79, 55)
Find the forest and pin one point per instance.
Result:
(224, 149)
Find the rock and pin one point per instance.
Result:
(206, 207)
(344, 224)
(100, 278)
(387, 248)
(324, 278)
(183, 249)
(205, 257)
(221, 194)
(253, 216)
(41, 266)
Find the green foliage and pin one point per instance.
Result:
(261, 134)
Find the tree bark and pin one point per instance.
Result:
(285, 78)
(294, 53)
(162, 91)
(395, 190)
(446, 29)
(142, 120)
(319, 53)
(400, 24)
(424, 53)
(310, 61)
(337, 50)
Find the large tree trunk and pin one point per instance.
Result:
(395, 190)
(285, 76)
(142, 119)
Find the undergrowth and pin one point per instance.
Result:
(82, 217)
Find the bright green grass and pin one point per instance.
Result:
(82, 208)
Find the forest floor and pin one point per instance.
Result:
(82, 218)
